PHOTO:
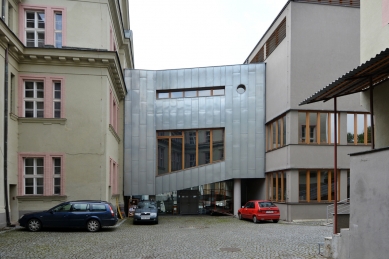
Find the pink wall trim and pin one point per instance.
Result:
(385, 12)
(48, 181)
(48, 81)
(49, 22)
(113, 110)
(113, 176)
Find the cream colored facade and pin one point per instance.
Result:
(87, 136)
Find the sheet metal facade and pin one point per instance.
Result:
(241, 115)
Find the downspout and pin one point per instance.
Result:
(335, 169)
(5, 169)
(6, 137)
(371, 114)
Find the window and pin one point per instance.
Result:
(58, 30)
(33, 99)
(200, 92)
(57, 99)
(320, 126)
(317, 185)
(57, 175)
(41, 97)
(276, 38)
(276, 186)
(113, 176)
(358, 129)
(12, 95)
(276, 133)
(113, 111)
(178, 150)
(41, 174)
(35, 28)
(42, 25)
(33, 176)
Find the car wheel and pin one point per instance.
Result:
(275, 220)
(255, 219)
(34, 225)
(93, 225)
(240, 216)
(134, 222)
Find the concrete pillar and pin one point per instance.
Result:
(237, 196)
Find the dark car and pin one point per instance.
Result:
(91, 215)
(146, 211)
(258, 210)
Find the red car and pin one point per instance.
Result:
(258, 210)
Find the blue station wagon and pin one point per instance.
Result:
(91, 215)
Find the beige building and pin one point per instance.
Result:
(61, 102)
(308, 44)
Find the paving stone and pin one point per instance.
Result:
(174, 237)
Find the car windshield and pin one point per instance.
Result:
(146, 205)
(266, 204)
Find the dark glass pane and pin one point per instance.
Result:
(41, 20)
(28, 114)
(302, 186)
(39, 170)
(313, 185)
(39, 190)
(57, 161)
(163, 133)
(163, 148)
(324, 185)
(57, 114)
(204, 147)
(29, 85)
(57, 86)
(39, 105)
(190, 148)
(190, 93)
(57, 181)
(176, 154)
(39, 114)
(39, 181)
(176, 133)
(29, 190)
(29, 181)
(57, 190)
(58, 40)
(57, 105)
(274, 187)
(30, 36)
(29, 170)
(29, 161)
(218, 145)
(279, 189)
(30, 43)
(204, 92)
(30, 15)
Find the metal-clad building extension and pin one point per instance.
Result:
(241, 115)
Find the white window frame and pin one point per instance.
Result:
(36, 30)
(35, 99)
(57, 100)
(34, 176)
(57, 31)
(56, 175)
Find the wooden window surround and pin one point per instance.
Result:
(276, 133)
(319, 125)
(358, 129)
(196, 147)
(314, 192)
(276, 186)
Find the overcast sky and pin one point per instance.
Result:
(198, 33)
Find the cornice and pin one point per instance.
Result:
(44, 121)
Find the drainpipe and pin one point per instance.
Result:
(335, 169)
(371, 114)
(6, 137)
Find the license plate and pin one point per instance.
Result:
(144, 217)
(269, 211)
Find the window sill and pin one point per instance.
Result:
(112, 130)
(45, 121)
(41, 197)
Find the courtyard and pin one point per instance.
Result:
(174, 237)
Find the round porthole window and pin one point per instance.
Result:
(241, 89)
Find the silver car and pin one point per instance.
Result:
(146, 211)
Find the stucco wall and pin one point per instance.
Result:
(369, 208)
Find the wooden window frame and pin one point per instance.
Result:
(365, 128)
(319, 192)
(276, 132)
(182, 137)
(279, 180)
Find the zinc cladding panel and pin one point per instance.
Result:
(237, 113)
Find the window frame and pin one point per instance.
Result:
(366, 136)
(48, 173)
(280, 186)
(278, 131)
(319, 191)
(36, 30)
(213, 92)
(48, 99)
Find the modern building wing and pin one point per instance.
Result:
(186, 128)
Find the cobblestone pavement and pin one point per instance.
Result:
(174, 237)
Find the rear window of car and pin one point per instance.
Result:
(97, 207)
(266, 204)
(146, 205)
